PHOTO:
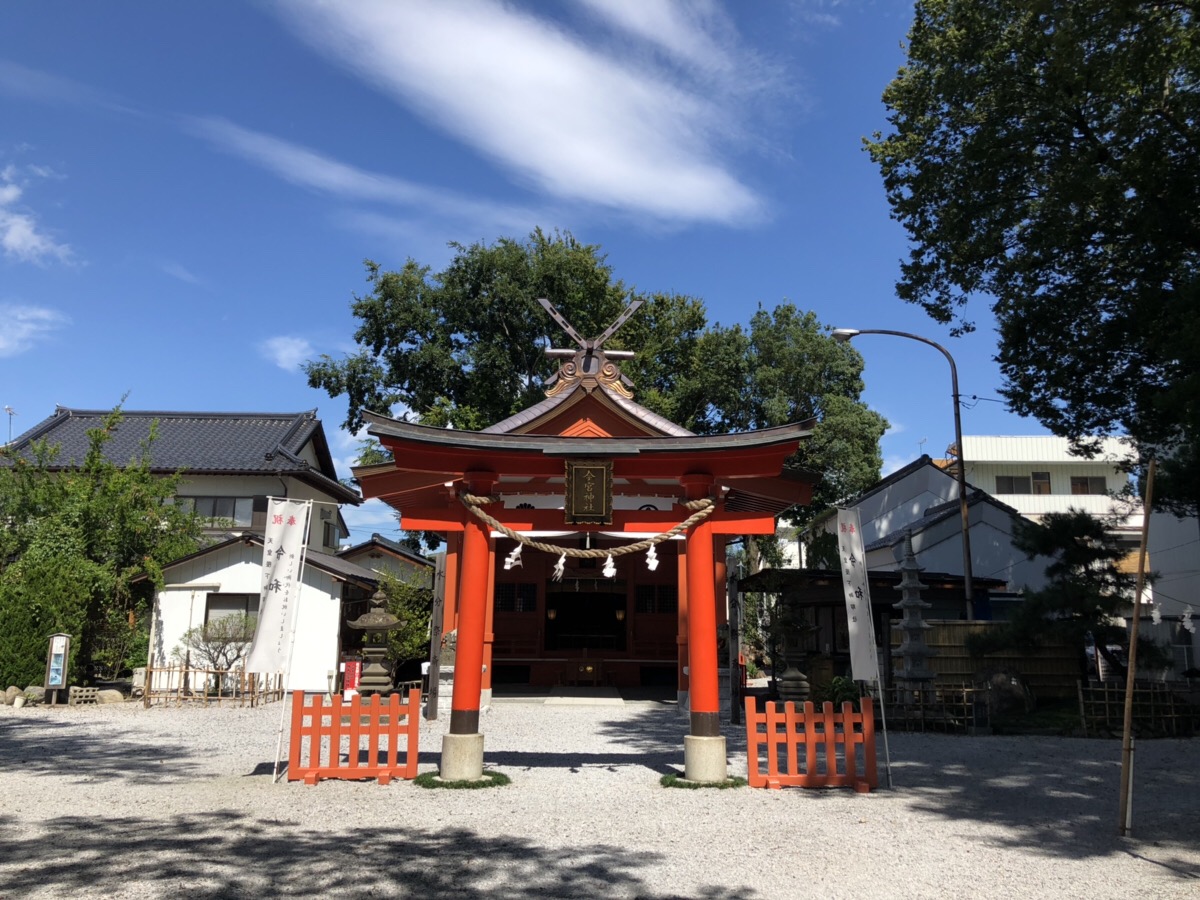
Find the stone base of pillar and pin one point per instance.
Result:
(704, 759)
(462, 757)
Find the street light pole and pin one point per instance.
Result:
(842, 335)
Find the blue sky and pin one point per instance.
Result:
(188, 189)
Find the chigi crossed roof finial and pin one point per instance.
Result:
(589, 365)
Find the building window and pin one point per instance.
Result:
(1013, 484)
(1088, 484)
(1041, 482)
(235, 510)
(516, 598)
(331, 535)
(656, 599)
(217, 606)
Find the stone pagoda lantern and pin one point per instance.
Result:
(916, 681)
(377, 624)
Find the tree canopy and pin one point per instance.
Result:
(1086, 592)
(1046, 156)
(81, 550)
(466, 347)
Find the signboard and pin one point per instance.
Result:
(589, 492)
(864, 660)
(56, 662)
(283, 551)
(351, 676)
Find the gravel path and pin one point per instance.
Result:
(117, 801)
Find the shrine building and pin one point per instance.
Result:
(585, 541)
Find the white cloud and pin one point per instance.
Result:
(21, 237)
(581, 123)
(308, 168)
(686, 32)
(24, 326)
(813, 12)
(30, 84)
(177, 271)
(287, 352)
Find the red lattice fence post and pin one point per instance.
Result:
(318, 732)
(830, 741)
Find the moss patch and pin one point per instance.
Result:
(676, 781)
(489, 779)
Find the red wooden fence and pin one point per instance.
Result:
(829, 740)
(327, 740)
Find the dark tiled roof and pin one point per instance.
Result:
(378, 540)
(556, 445)
(342, 568)
(201, 443)
(638, 412)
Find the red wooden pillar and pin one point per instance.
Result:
(704, 757)
(703, 691)
(472, 617)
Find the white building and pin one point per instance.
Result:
(1039, 475)
(226, 578)
(231, 463)
(923, 498)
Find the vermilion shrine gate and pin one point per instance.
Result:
(553, 491)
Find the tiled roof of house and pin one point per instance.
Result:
(378, 540)
(201, 443)
(342, 568)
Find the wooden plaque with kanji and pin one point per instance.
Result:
(589, 492)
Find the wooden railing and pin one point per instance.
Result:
(234, 687)
(327, 740)
(818, 749)
(1158, 710)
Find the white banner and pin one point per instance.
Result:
(864, 661)
(283, 552)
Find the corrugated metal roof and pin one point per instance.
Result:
(1035, 448)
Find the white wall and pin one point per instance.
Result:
(938, 548)
(237, 570)
(896, 505)
(1174, 546)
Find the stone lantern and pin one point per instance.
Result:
(377, 624)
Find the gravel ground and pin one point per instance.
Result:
(117, 801)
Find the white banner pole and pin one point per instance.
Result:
(281, 540)
(864, 649)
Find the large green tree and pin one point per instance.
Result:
(1087, 591)
(466, 346)
(1045, 155)
(82, 544)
